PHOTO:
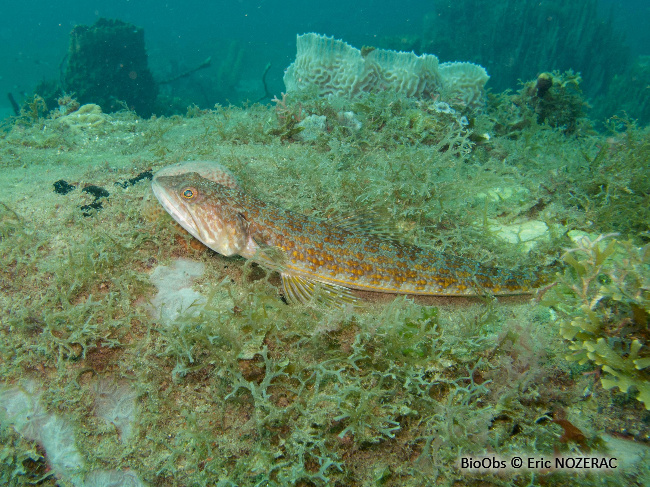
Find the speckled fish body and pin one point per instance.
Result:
(211, 206)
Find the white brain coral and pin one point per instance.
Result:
(328, 66)
(404, 72)
(463, 84)
(331, 66)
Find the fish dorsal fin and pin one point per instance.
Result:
(206, 169)
(298, 289)
(365, 222)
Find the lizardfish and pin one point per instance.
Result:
(317, 257)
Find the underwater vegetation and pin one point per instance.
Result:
(628, 94)
(604, 299)
(239, 388)
(516, 40)
(618, 193)
(553, 98)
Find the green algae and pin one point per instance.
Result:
(605, 304)
(246, 390)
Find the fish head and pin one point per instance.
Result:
(204, 208)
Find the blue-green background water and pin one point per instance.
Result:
(34, 36)
(150, 358)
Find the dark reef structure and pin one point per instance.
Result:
(107, 65)
(556, 99)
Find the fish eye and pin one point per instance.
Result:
(188, 193)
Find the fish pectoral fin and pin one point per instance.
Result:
(270, 257)
(298, 289)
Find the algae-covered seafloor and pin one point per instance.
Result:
(132, 355)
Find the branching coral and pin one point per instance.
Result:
(604, 299)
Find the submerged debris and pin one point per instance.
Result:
(145, 175)
(63, 187)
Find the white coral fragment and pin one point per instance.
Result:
(115, 404)
(175, 294)
(89, 115)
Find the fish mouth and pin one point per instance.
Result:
(163, 197)
(172, 206)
